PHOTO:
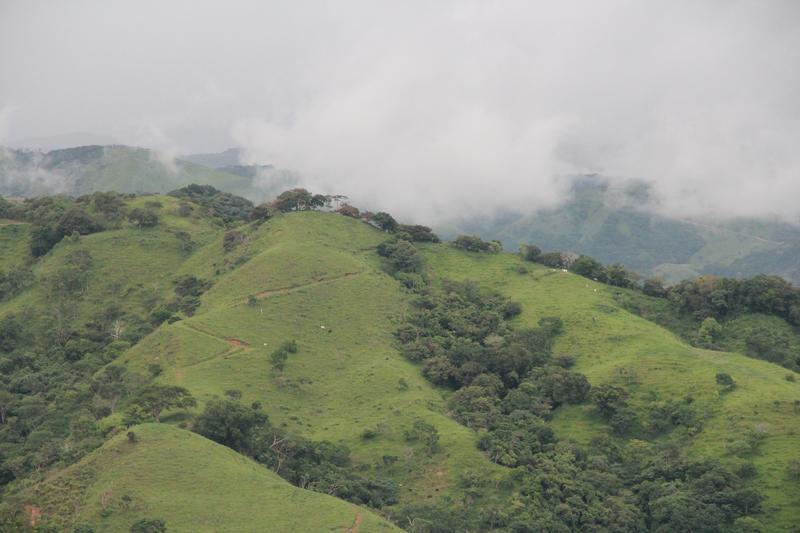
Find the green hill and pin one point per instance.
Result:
(616, 223)
(194, 484)
(86, 169)
(194, 303)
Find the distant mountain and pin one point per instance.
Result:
(82, 170)
(612, 223)
(65, 140)
(228, 158)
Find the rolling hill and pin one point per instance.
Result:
(197, 484)
(316, 278)
(613, 222)
(86, 169)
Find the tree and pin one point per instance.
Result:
(472, 243)
(110, 384)
(76, 220)
(156, 398)
(384, 221)
(278, 359)
(348, 211)
(402, 255)
(529, 252)
(608, 398)
(293, 200)
(10, 333)
(143, 218)
(261, 212)
(589, 268)
(418, 233)
(110, 204)
(149, 525)
(230, 423)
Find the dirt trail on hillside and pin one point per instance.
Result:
(284, 290)
(356, 524)
(234, 345)
(231, 341)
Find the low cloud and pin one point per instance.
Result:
(437, 109)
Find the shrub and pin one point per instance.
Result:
(529, 252)
(472, 243)
(149, 525)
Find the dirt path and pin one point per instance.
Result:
(235, 345)
(284, 290)
(232, 341)
(356, 524)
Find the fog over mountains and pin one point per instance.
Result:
(433, 110)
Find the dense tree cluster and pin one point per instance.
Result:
(473, 243)
(228, 207)
(188, 290)
(315, 465)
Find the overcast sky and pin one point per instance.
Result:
(431, 106)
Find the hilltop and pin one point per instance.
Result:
(189, 300)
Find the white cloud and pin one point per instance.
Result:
(430, 109)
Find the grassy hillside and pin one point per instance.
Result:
(193, 484)
(612, 224)
(316, 278)
(613, 346)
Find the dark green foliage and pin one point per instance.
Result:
(299, 200)
(154, 399)
(261, 213)
(319, 466)
(110, 204)
(553, 260)
(589, 268)
(529, 252)
(417, 233)
(231, 424)
(401, 255)
(608, 399)
(142, 218)
(618, 276)
(190, 286)
(516, 439)
(149, 525)
(76, 220)
(725, 380)
(188, 290)
(232, 239)
(53, 219)
(226, 206)
(472, 243)
(559, 386)
(654, 287)
(384, 221)
(280, 355)
(10, 333)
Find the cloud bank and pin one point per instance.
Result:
(434, 109)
